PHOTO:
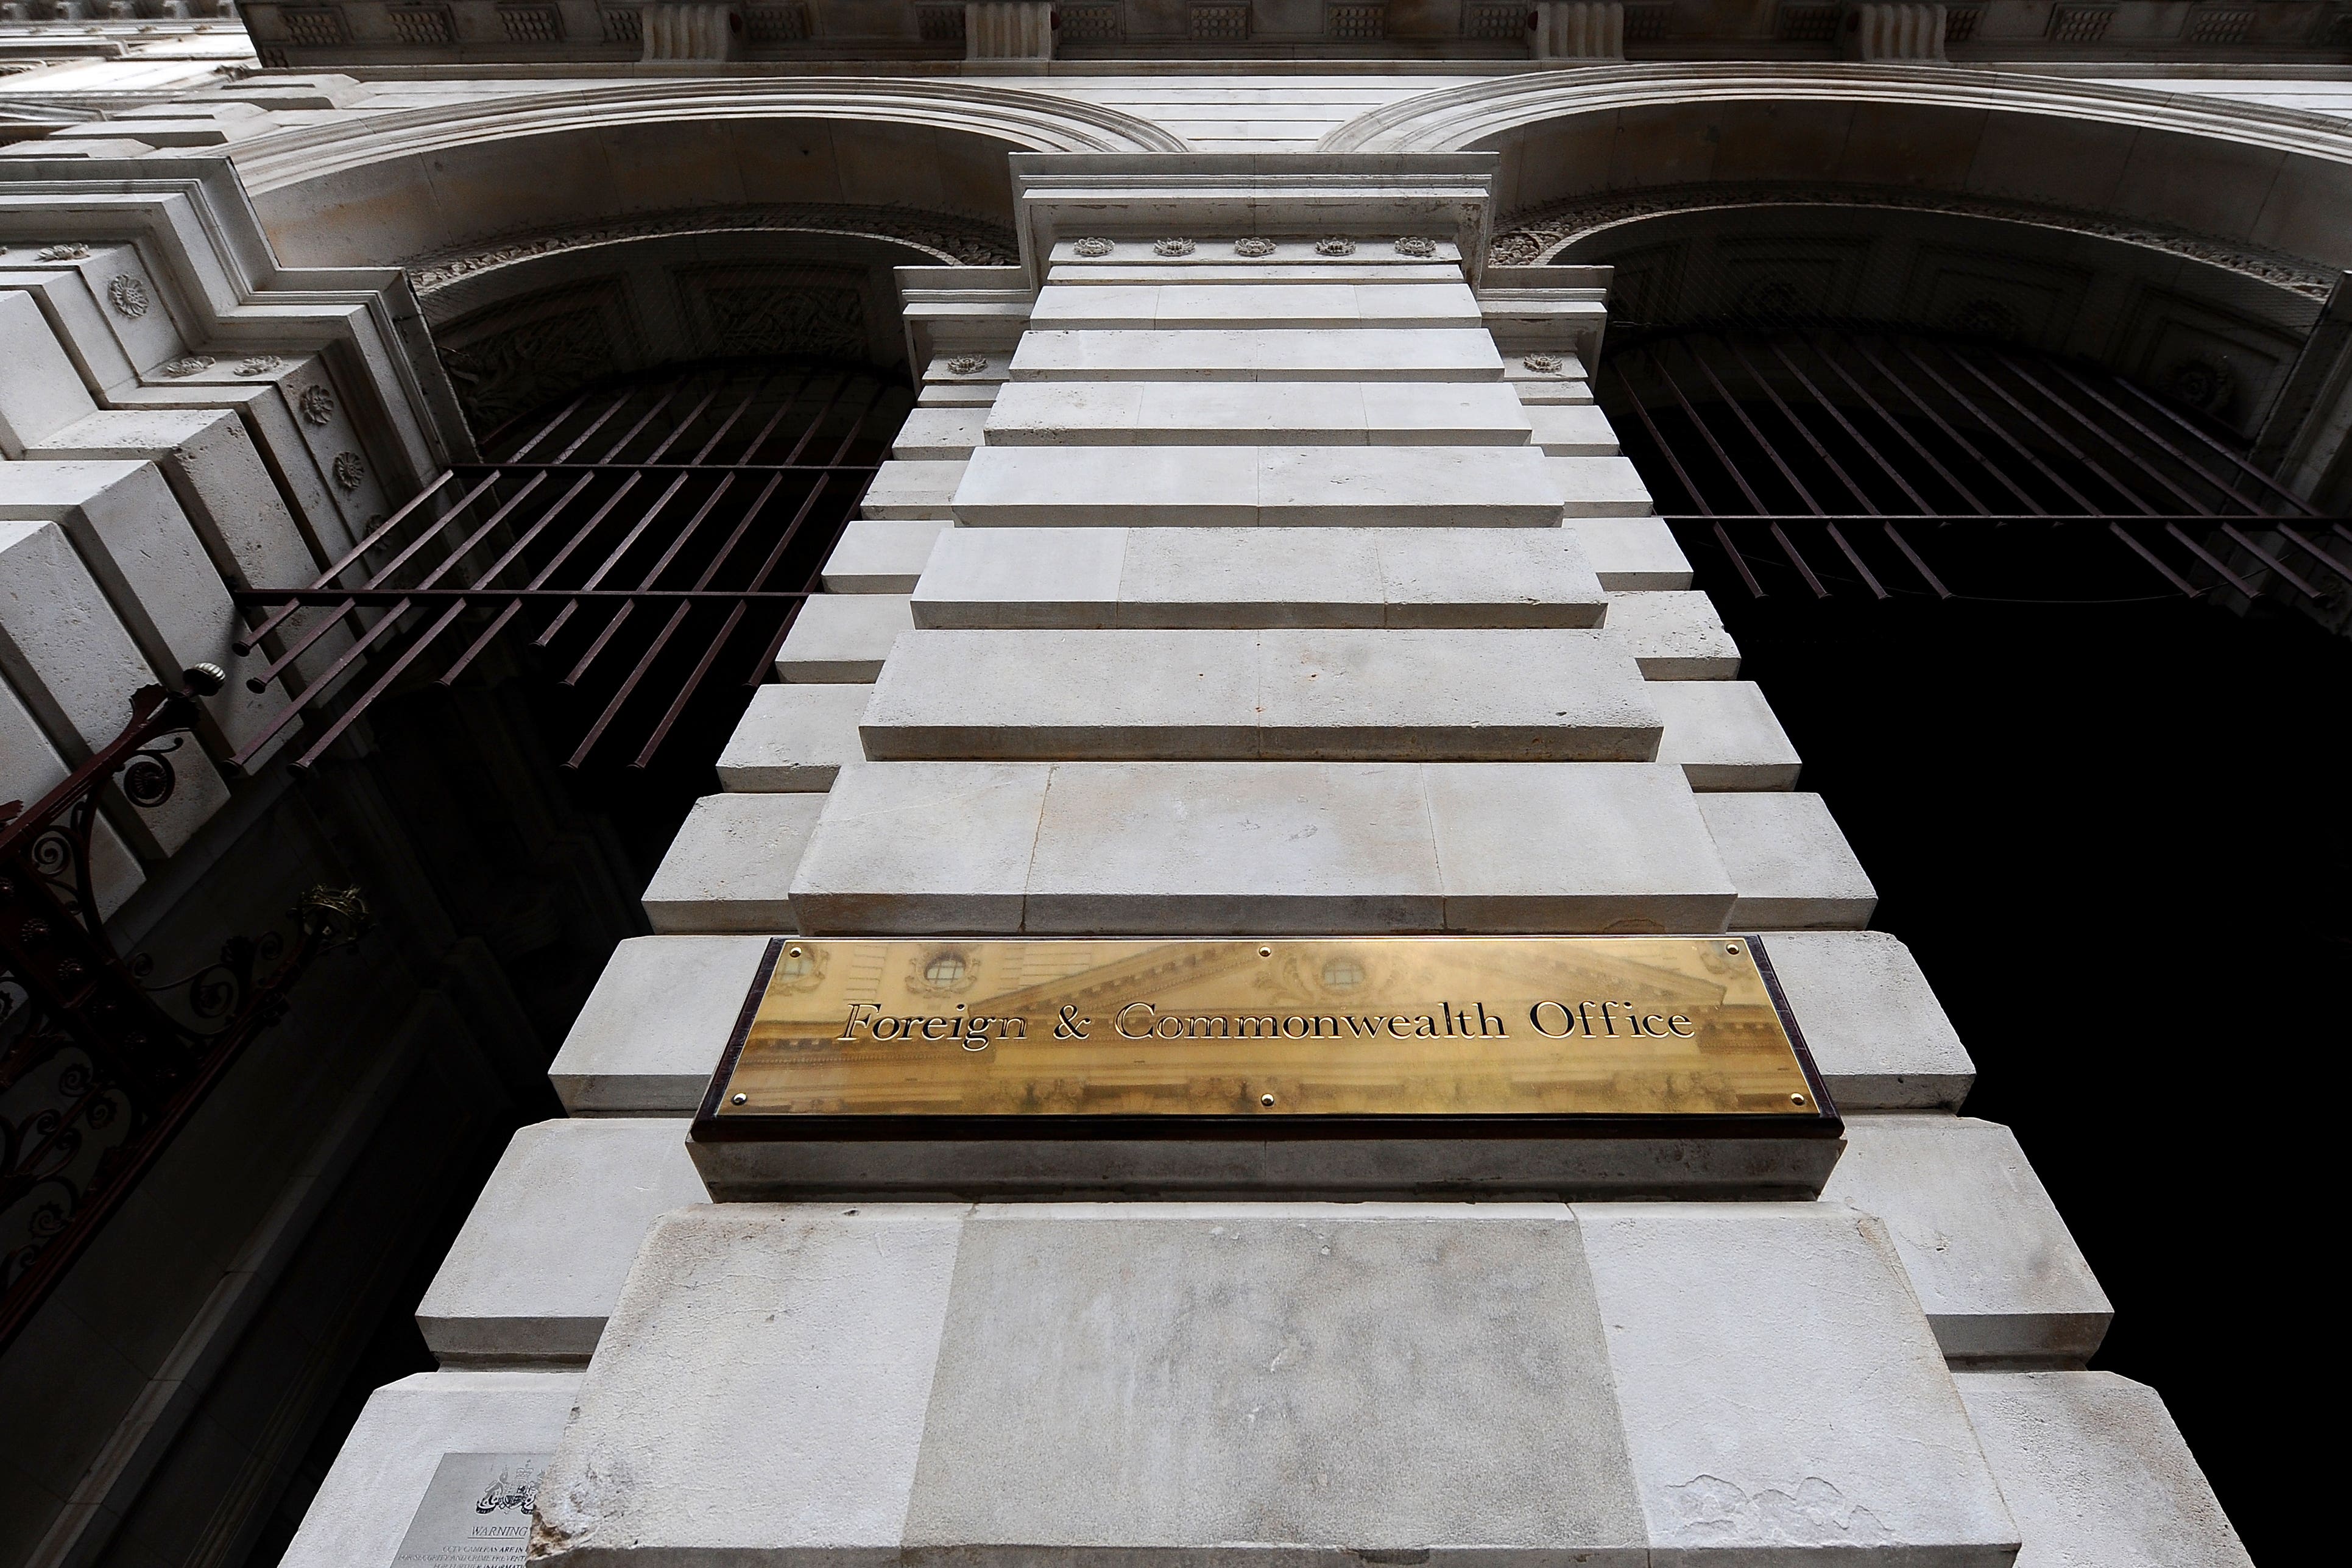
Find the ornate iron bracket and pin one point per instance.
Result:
(99, 1065)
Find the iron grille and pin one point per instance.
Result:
(649, 541)
(1899, 462)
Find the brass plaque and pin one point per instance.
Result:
(1360, 1029)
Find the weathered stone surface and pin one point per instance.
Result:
(1104, 577)
(42, 393)
(1377, 694)
(922, 846)
(648, 1037)
(1600, 487)
(363, 1509)
(1250, 1351)
(2097, 1474)
(2001, 1280)
(534, 1273)
(1181, 848)
(939, 435)
(1255, 413)
(1674, 636)
(1359, 354)
(1875, 1027)
(1572, 430)
(843, 638)
(730, 866)
(1236, 486)
(902, 487)
(1631, 553)
(1630, 1383)
(1781, 1395)
(1792, 867)
(881, 555)
(793, 738)
(1725, 736)
(804, 1342)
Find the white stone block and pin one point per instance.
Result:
(40, 391)
(1631, 553)
(76, 667)
(2094, 1471)
(881, 555)
(793, 738)
(1612, 1392)
(1540, 392)
(1724, 735)
(1781, 1395)
(842, 638)
(1600, 487)
(218, 477)
(1185, 848)
(364, 1509)
(136, 541)
(1792, 867)
(956, 368)
(956, 395)
(1361, 353)
(1258, 577)
(1260, 486)
(776, 1409)
(2001, 1279)
(1572, 430)
(1877, 1033)
(541, 1258)
(730, 866)
(1370, 694)
(1272, 270)
(648, 1037)
(1674, 636)
(939, 434)
(1582, 847)
(1255, 413)
(904, 489)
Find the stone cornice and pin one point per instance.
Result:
(1029, 121)
(1459, 117)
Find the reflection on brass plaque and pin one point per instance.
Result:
(837, 1033)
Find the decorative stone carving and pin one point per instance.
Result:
(1254, 247)
(757, 317)
(967, 365)
(69, 252)
(1009, 31)
(1542, 364)
(348, 470)
(1334, 245)
(505, 373)
(1172, 247)
(259, 365)
(1577, 31)
(128, 296)
(1419, 246)
(188, 364)
(690, 30)
(1093, 247)
(317, 404)
(955, 241)
(1536, 237)
(1900, 32)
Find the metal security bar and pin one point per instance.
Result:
(1886, 462)
(651, 542)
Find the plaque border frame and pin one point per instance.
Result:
(1823, 1121)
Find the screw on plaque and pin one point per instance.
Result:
(742, 1099)
(1266, 1100)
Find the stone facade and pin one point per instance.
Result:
(1256, 559)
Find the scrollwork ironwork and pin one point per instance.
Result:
(100, 1064)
